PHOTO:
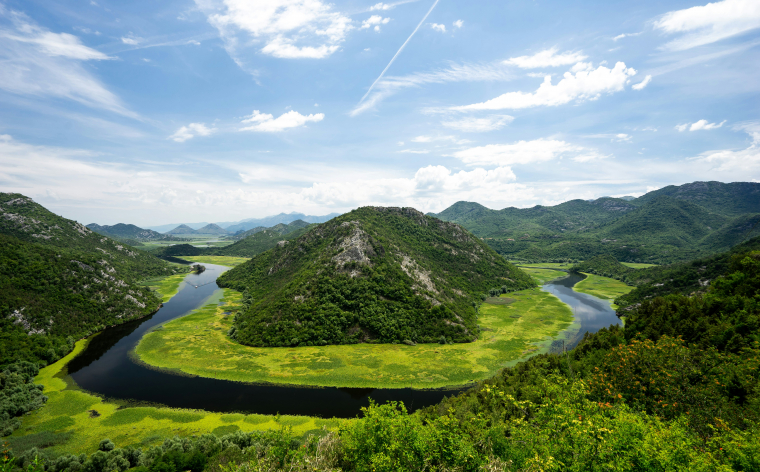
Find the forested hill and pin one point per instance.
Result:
(668, 225)
(59, 282)
(127, 231)
(372, 275)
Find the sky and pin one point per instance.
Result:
(177, 111)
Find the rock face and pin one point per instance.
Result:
(373, 275)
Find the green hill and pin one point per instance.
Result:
(211, 229)
(280, 228)
(182, 229)
(261, 241)
(59, 281)
(730, 199)
(673, 224)
(126, 231)
(372, 275)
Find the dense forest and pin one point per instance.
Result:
(664, 226)
(62, 282)
(371, 275)
(657, 395)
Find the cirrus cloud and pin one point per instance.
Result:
(190, 131)
(546, 58)
(521, 152)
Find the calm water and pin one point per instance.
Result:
(591, 313)
(105, 367)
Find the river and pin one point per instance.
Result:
(106, 368)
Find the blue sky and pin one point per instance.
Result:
(218, 110)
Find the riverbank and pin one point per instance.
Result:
(75, 421)
(197, 344)
(602, 287)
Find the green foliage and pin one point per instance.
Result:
(372, 275)
(60, 282)
(257, 242)
(664, 226)
(18, 394)
(126, 232)
(604, 265)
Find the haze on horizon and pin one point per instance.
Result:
(220, 110)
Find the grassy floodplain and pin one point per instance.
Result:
(517, 327)
(167, 287)
(602, 287)
(75, 421)
(541, 276)
(638, 265)
(228, 261)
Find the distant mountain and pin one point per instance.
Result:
(372, 275)
(279, 228)
(182, 229)
(169, 227)
(727, 199)
(211, 229)
(126, 231)
(264, 240)
(671, 224)
(283, 218)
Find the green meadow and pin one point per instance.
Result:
(75, 421)
(514, 328)
(541, 276)
(167, 287)
(602, 287)
(638, 265)
(228, 261)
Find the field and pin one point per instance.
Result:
(197, 344)
(638, 265)
(541, 276)
(544, 265)
(167, 287)
(228, 261)
(195, 240)
(602, 287)
(74, 421)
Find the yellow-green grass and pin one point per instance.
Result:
(541, 276)
(67, 414)
(167, 287)
(602, 287)
(228, 261)
(197, 344)
(637, 265)
(545, 265)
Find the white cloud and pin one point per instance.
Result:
(619, 137)
(735, 161)
(413, 151)
(643, 83)
(454, 73)
(388, 6)
(290, 29)
(521, 152)
(38, 62)
(546, 58)
(479, 125)
(430, 139)
(438, 27)
(709, 23)
(699, 125)
(190, 131)
(458, 24)
(266, 123)
(588, 157)
(584, 85)
(131, 40)
(376, 21)
(626, 35)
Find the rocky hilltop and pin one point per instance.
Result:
(372, 275)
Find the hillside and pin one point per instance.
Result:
(126, 231)
(282, 218)
(211, 229)
(261, 241)
(730, 199)
(372, 275)
(182, 229)
(668, 225)
(59, 280)
(279, 228)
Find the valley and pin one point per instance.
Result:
(302, 327)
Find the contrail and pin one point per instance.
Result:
(399, 51)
